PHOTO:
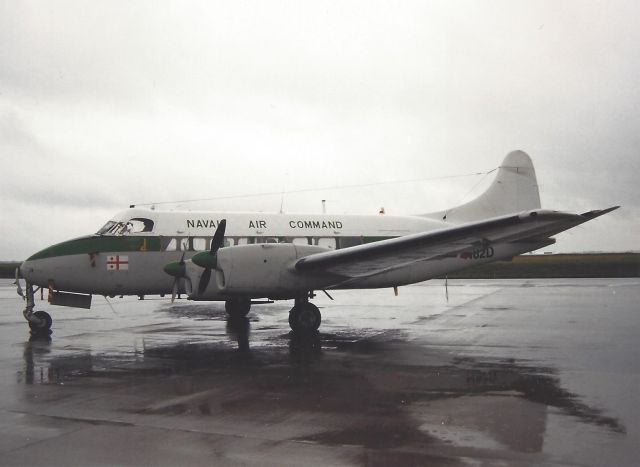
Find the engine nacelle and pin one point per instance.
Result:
(262, 270)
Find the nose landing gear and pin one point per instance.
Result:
(39, 321)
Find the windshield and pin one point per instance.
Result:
(106, 228)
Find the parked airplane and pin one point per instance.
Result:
(240, 257)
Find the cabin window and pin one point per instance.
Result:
(242, 241)
(327, 242)
(300, 241)
(200, 244)
(183, 244)
(228, 241)
(169, 244)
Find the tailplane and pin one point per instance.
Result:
(515, 189)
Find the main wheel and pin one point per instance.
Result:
(43, 328)
(238, 307)
(305, 317)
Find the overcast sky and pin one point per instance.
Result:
(103, 104)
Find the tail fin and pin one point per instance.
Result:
(514, 189)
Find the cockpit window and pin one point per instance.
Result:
(133, 226)
(112, 228)
(106, 228)
(139, 224)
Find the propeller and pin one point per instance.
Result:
(178, 269)
(208, 259)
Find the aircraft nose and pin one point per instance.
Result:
(27, 270)
(63, 263)
(34, 272)
(22, 271)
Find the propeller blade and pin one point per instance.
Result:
(188, 286)
(209, 260)
(218, 237)
(204, 281)
(174, 290)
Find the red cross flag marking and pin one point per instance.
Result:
(117, 263)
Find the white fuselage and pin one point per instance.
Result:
(128, 255)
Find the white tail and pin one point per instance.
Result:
(515, 189)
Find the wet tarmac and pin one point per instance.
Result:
(511, 372)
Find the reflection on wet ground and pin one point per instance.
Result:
(472, 384)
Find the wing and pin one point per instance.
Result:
(373, 258)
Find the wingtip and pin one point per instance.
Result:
(599, 212)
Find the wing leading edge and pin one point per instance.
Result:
(373, 258)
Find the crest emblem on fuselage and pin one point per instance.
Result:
(117, 263)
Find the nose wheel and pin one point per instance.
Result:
(41, 325)
(304, 317)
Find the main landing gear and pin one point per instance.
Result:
(304, 317)
(237, 307)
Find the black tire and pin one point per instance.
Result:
(237, 307)
(35, 329)
(305, 317)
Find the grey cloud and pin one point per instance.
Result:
(15, 138)
(26, 196)
(112, 103)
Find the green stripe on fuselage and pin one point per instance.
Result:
(99, 244)
(118, 244)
